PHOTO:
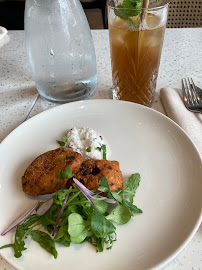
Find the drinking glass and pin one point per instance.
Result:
(136, 40)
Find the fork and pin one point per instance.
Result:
(191, 97)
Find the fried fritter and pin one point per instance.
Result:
(91, 171)
(41, 176)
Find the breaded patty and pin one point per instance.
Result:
(41, 176)
(91, 171)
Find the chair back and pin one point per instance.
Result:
(185, 13)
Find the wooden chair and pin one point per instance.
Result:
(101, 4)
(185, 13)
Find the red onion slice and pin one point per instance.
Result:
(105, 199)
(20, 219)
(86, 192)
(60, 214)
(90, 195)
(43, 209)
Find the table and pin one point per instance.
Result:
(181, 57)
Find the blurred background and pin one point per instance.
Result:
(12, 13)
(182, 13)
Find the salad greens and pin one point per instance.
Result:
(80, 220)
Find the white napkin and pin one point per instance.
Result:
(190, 122)
(3, 32)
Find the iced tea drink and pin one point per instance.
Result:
(135, 55)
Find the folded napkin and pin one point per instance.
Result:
(3, 32)
(190, 122)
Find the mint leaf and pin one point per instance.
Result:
(65, 174)
(125, 11)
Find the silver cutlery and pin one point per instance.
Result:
(192, 95)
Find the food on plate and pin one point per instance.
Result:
(85, 211)
(76, 215)
(41, 176)
(91, 171)
(87, 142)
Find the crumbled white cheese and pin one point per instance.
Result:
(87, 142)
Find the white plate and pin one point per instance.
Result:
(143, 141)
(3, 32)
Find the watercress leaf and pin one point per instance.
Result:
(120, 214)
(109, 195)
(131, 186)
(21, 232)
(50, 217)
(117, 195)
(88, 149)
(60, 196)
(19, 244)
(82, 236)
(65, 174)
(62, 237)
(101, 206)
(132, 208)
(103, 189)
(7, 246)
(31, 220)
(133, 181)
(76, 224)
(104, 182)
(63, 241)
(127, 193)
(100, 244)
(63, 230)
(70, 209)
(101, 227)
(45, 241)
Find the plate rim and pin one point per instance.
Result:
(104, 101)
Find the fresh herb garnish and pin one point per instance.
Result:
(88, 149)
(128, 9)
(45, 241)
(65, 174)
(104, 151)
(70, 157)
(80, 220)
(63, 142)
